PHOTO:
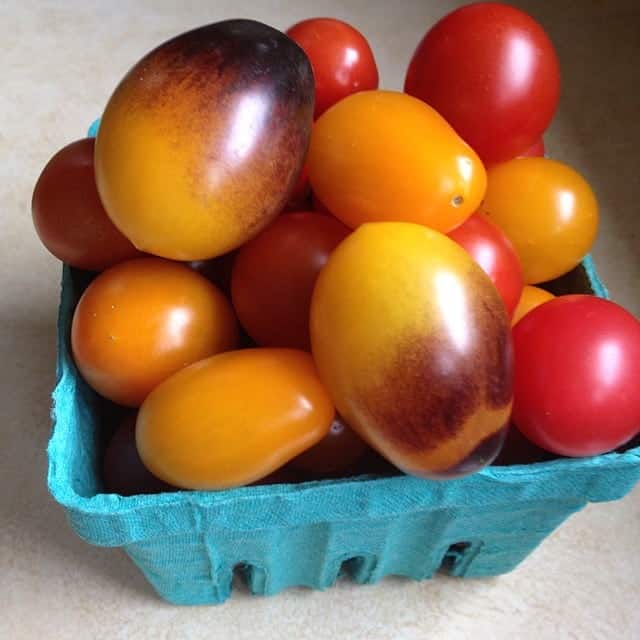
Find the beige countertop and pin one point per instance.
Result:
(59, 63)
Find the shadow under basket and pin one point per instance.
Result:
(189, 544)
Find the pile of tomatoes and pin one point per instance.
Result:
(300, 273)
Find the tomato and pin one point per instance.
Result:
(385, 156)
(491, 249)
(123, 471)
(69, 217)
(493, 73)
(337, 452)
(547, 210)
(234, 418)
(141, 321)
(531, 298)
(340, 56)
(577, 366)
(274, 275)
(536, 150)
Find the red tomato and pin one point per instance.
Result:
(493, 73)
(577, 367)
(536, 150)
(274, 275)
(493, 251)
(341, 58)
(69, 216)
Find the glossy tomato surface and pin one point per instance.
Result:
(385, 156)
(493, 73)
(141, 321)
(275, 273)
(577, 366)
(531, 298)
(233, 419)
(547, 210)
(68, 214)
(340, 56)
(493, 251)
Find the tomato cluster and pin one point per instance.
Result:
(299, 271)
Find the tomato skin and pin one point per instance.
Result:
(414, 169)
(68, 214)
(274, 275)
(492, 72)
(577, 366)
(340, 56)
(531, 298)
(547, 210)
(233, 419)
(491, 249)
(536, 150)
(142, 320)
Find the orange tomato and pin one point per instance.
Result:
(233, 418)
(385, 156)
(530, 298)
(547, 210)
(141, 321)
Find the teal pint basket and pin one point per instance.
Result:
(188, 544)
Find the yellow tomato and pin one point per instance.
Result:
(233, 419)
(413, 342)
(547, 210)
(530, 298)
(384, 155)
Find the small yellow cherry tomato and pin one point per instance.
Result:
(547, 210)
(232, 419)
(386, 156)
(530, 298)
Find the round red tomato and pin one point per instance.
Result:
(577, 366)
(493, 73)
(493, 251)
(274, 275)
(341, 58)
(69, 216)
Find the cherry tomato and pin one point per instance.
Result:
(340, 56)
(123, 471)
(385, 156)
(547, 210)
(531, 298)
(577, 366)
(141, 321)
(69, 217)
(491, 249)
(493, 73)
(337, 452)
(274, 275)
(234, 418)
(536, 150)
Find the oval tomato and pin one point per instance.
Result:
(385, 156)
(577, 366)
(234, 418)
(141, 321)
(68, 214)
(492, 72)
(547, 210)
(491, 249)
(274, 275)
(340, 56)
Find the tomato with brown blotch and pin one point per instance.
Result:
(414, 344)
(337, 453)
(141, 321)
(274, 275)
(493, 251)
(123, 471)
(530, 298)
(547, 210)
(234, 418)
(68, 214)
(385, 156)
(203, 140)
